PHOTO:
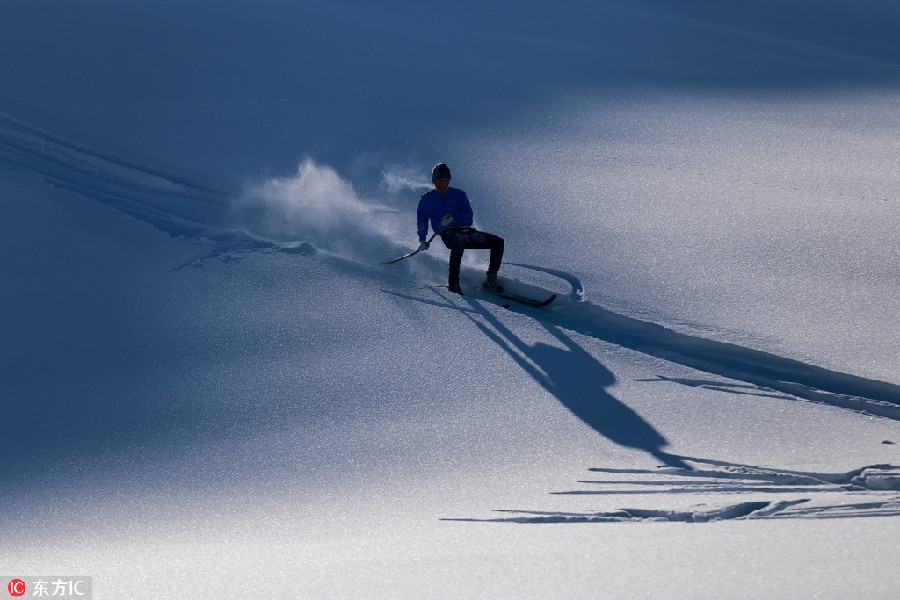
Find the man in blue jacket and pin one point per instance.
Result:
(450, 215)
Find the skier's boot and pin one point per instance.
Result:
(454, 287)
(491, 283)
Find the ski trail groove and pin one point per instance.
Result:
(872, 491)
(173, 203)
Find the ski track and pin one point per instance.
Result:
(175, 204)
(866, 492)
(767, 373)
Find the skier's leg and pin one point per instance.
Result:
(497, 246)
(487, 241)
(455, 244)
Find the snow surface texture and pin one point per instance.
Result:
(211, 387)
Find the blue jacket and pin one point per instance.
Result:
(434, 205)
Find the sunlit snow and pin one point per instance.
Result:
(212, 386)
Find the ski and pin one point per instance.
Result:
(517, 298)
(525, 300)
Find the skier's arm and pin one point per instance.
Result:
(422, 220)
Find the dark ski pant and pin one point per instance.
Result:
(469, 238)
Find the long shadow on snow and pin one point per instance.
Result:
(576, 379)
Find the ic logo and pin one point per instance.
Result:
(16, 587)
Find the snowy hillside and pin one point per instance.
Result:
(212, 386)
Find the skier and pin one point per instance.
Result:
(450, 214)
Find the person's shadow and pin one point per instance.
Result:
(579, 382)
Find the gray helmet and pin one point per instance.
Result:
(440, 171)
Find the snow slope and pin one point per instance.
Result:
(211, 388)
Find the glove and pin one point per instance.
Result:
(446, 220)
(423, 245)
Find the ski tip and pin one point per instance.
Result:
(548, 300)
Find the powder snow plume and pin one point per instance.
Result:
(398, 179)
(316, 205)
